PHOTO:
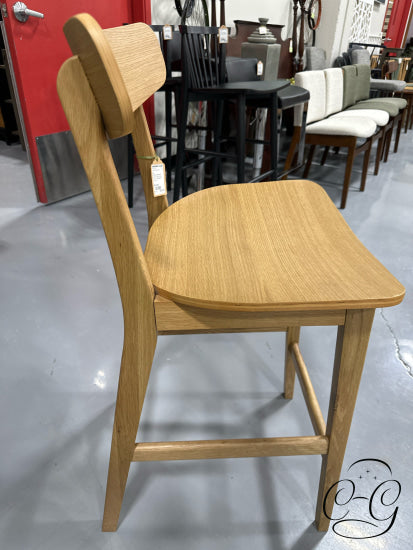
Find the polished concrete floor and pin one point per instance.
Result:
(61, 340)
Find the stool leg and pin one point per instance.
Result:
(292, 336)
(180, 148)
(241, 123)
(351, 348)
(134, 373)
(295, 140)
(216, 165)
(168, 133)
(274, 136)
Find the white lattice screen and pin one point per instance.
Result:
(360, 26)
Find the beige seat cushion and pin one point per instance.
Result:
(381, 118)
(357, 126)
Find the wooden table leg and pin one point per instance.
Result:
(351, 348)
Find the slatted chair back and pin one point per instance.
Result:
(101, 101)
(203, 57)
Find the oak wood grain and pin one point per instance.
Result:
(231, 448)
(280, 246)
(266, 256)
(292, 336)
(135, 287)
(310, 397)
(173, 318)
(352, 341)
(124, 67)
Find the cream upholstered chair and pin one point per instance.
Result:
(334, 105)
(353, 133)
(356, 96)
(268, 256)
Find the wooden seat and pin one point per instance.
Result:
(272, 256)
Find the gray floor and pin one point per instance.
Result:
(61, 339)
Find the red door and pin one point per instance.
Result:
(37, 48)
(397, 25)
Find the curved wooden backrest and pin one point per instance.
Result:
(124, 67)
(135, 286)
(101, 99)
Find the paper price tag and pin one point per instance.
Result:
(260, 68)
(223, 34)
(262, 30)
(158, 178)
(167, 32)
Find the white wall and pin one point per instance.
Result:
(334, 30)
(278, 11)
(377, 18)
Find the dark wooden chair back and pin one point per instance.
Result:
(203, 57)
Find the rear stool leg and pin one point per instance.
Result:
(131, 391)
(351, 348)
(292, 336)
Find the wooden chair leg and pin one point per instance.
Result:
(399, 129)
(295, 140)
(131, 391)
(388, 142)
(309, 161)
(325, 154)
(347, 177)
(292, 336)
(379, 152)
(365, 167)
(351, 348)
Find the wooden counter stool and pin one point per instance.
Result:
(270, 256)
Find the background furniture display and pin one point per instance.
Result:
(171, 50)
(326, 98)
(226, 259)
(244, 30)
(356, 95)
(204, 79)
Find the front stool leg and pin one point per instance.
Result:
(134, 373)
(351, 348)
